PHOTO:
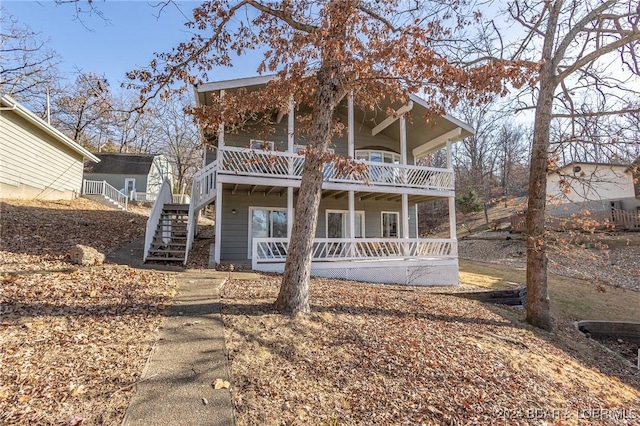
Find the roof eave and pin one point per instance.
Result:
(47, 128)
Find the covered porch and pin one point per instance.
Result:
(410, 261)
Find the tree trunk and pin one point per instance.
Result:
(538, 308)
(294, 289)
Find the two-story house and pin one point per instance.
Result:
(367, 228)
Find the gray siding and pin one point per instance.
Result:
(372, 215)
(235, 228)
(33, 162)
(362, 139)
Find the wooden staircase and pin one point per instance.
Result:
(170, 239)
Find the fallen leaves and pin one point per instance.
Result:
(374, 354)
(73, 340)
(220, 384)
(37, 235)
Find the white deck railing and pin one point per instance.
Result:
(203, 192)
(101, 187)
(274, 250)
(283, 165)
(203, 188)
(164, 197)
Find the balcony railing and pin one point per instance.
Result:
(283, 165)
(274, 250)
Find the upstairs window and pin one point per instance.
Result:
(260, 145)
(378, 156)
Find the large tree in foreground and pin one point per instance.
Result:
(323, 51)
(589, 52)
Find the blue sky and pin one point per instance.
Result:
(126, 39)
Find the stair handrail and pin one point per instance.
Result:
(102, 187)
(191, 221)
(203, 191)
(164, 197)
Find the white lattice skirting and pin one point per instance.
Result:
(425, 272)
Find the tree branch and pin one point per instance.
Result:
(286, 17)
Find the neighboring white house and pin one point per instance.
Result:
(138, 176)
(367, 228)
(595, 187)
(36, 160)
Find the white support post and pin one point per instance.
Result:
(218, 224)
(403, 161)
(405, 216)
(352, 215)
(290, 143)
(291, 125)
(221, 129)
(452, 200)
(351, 153)
(351, 129)
(290, 136)
(289, 211)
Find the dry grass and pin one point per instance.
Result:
(374, 354)
(571, 298)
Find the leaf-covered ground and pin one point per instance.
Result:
(74, 340)
(372, 354)
(37, 235)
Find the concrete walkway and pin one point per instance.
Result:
(176, 384)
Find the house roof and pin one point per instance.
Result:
(121, 164)
(422, 136)
(10, 104)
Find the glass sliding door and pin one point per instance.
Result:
(390, 224)
(266, 223)
(338, 224)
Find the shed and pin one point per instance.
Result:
(136, 175)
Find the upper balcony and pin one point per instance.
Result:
(249, 166)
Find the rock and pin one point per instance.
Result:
(86, 256)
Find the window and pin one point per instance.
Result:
(378, 156)
(338, 224)
(261, 145)
(298, 148)
(390, 224)
(266, 222)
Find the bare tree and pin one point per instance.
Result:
(576, 43)
(27, 67)
(512, 152)
(179, 137)
(85, 111)
(475, 158)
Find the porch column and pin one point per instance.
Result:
(403, 162)
(452, 200)
(221, 128)
(351, 153)
(290, 143)
(290, 125)
(218, 224)
(289, 211)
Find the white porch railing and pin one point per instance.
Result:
(101, 187)
(203, 192)
(274, 250)
(284, 165)
(164, 197)
(203, 188)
